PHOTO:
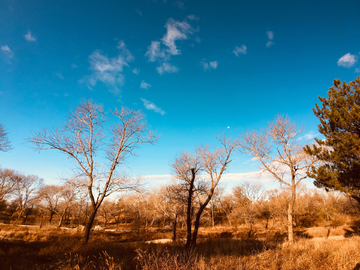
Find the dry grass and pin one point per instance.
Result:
(304, 254)
(51, 248)
(324, 232)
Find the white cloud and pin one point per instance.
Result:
(192, 17)
(162, 50)
(144, 85)
(226, 177)
(154, 52)
(357, 70)
(269, 43)
(180, 4)
(73, 66)
(270, 36)
(166, 68)
(347, 60)
(7, 51)
(249, 176)
(59, 75)
(108, 70)
(309, 136)
(29, 37)
(240, 50)
(214, 64)
(136, 71)
(210, 65)
(151, 106)
(176, 30)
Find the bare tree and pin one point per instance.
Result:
(68, 197)
(170, 204)
(5, 144)
(280, 154)
(49, 196)
(83, 137)
(8, 180)
(57, 199)
(25, 191)
(247, 198)
(199, 175)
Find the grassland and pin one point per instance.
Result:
(220, 248)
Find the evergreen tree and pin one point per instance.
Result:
(339, 152)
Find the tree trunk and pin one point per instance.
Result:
(27, 214)
(250, 231)
(41, 218)
(61, 219)
(19, 216)
(290, 224)
(189, 206)
(197, 225)
(174, 229)
(51, 216)
(89, 225)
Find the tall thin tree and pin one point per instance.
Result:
(83, 138)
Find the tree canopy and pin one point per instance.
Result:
(339, 152)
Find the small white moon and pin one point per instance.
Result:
(228, 127)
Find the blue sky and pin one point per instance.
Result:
(195, 68)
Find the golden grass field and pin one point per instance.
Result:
(219, 248)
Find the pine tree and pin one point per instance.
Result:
(339, 152)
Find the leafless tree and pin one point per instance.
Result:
(49, 196)
(278, 150)
(247, 198)
(199, 175)
(57, 199)
(170, 204)
(5, 144)
(25, 191)
(84, 136)
(8, 180)
(69, 195)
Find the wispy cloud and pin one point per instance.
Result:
(226, 177)
(108, 70)
(151, 106)
(347, 60)
(270, 36)
(144, 85)
(166, 68)
(59, 75)
(179, 4)
(161, 51)
(29, 37)
(154, 52)
(138, 12)
(249, 176)
(73, 66)
(209, 65)
(240, 50)
(7, 51)
(309, 136)
(136, 71)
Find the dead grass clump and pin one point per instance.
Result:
(324, 232)
(214, 254)
(77, 261)
(163, 258)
